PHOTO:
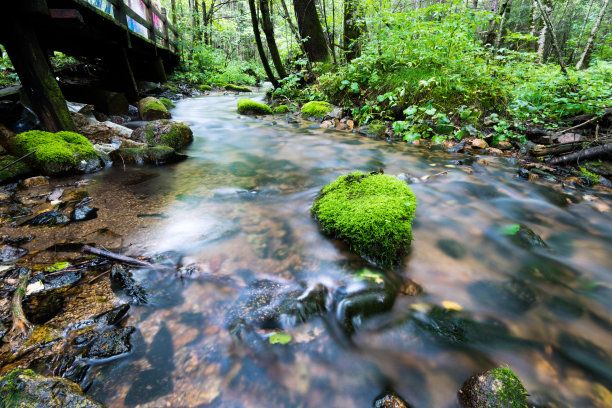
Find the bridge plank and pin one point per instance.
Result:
(67, 14)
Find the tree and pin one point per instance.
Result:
(548, 24)
(353, 28)
(586, 54)
(260, 49)
(311, 31)
(268, 28)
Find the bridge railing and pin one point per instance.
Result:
(142, 17)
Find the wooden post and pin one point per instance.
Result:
(159, 69)
(149, 8)
(24, 50)
(128, 82)
(165, 21)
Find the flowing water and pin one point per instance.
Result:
(239, 209)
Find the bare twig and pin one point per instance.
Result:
(123, 258)
(19, 159)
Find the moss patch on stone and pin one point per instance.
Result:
(57, 153)
(316, 109)
(497, 388)
(167, 103)
(164, 132)
(281, 109)
(158, 156)
(17, 170)
(249, 107)
(151, 108)
(205, 88)
(372, 213)
(237, 88)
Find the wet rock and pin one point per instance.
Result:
(48, 218)
(80, 120)
(157, 156)
(46, 303)
(164, 133)
(97, 132)
(493, 151)
(55, 195)
(125, 280)
(84, 213)
(479, 144)
(452, 248)
(110, 343)
(113, 316)
(514, 295)
(523, 236)
(375, 130)
(496, 388)
(16, 241)
(390, 399)
(34, 181)
(9, 254)
(151, 108)
(504, 145)
(128, 143)
(242, 169)
(17, 211)
(26, 389)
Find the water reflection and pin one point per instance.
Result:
(238, 211)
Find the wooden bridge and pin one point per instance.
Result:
(132, 37)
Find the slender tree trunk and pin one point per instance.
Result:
(294, 30)
(475, 4)
(544, 32)
(260, 49)
(330, 38)
(268, 28)
(553, 36)
(588, 47)
(311, 31)
(506, 8)
(490, 36)
(173, 8)
(586, 21)
(353, 28)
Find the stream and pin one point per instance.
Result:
(479, 288)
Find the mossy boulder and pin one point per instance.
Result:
(496, 388)
(16, 171)
(157, 156)
(375, 129)
(167, 103)
(58, 153)
(316, 109)
(151, 108)
(26, 389)
(249, 107)
(237, 88)
(372, 213)
(164, 132)
(204, 88)
(281, 109)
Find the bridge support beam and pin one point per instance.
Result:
(159, 70)
(126, 75)
(30, 61)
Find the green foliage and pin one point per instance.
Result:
(249, 107)
(372, 213)
(280, 338)
(237, 88)
(205, 88)
(592, 177)
(8, 76)
(281, 109)
(62, 148)
(15, 171)
(316, 109)
(167, 103)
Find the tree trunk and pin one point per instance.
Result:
(490, 36)
(260, 49)
(500, 31)
(311, 31)
(292, 26)
(552, 34)
(173, 8)
(586, 21)
(475, 4)
(588, 47)
(353, 28)
(268, 29)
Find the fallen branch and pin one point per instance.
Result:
(582, 124)
(19, 159)
(123, 258)
(552, 150)
(21, 326)
(583, 154)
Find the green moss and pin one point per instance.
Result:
(372, 213)
(237, 88)
(249, 107)
(316, 109)
(167, 133)
(167, 103)
(281, 109)
(592, 177)
(377, 128)
(205, 88)
(55, 150)
(17, 170)
(151, 108)
(512, 393)
(11, 388)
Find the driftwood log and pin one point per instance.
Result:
(123, 259)
(583, 154)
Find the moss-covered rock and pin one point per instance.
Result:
(316, 109)
(249, 107)
(151, 108)
(17, 170)
(372, 213)
(58, 153)
(496, 388)
(157, 156)
(204, 88)
(164, 132)
(237, 88)
(167, 103)
(26, 389)
(281, 109)
(375, 129)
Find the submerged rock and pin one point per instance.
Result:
(164, 133)
(48, 218)
(26, 389)
(151, 108)
(390, 399)
(110, 343)
(9, 254)
(157, 156)
(372, 213)
(124, 278)
(48, 301)
(84, 213)
(496, 388)
(249, 107)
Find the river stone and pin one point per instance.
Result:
(527, 239)
(17, 210)
(96, 132)
(84, 213)
(151, 108)
(34, 181)
(43, 305)
(157, 156)
(452, 248)
(26, 389)
(164, 133)
(515, 295)
(496, 388)
(9, 254)
(125, 280)
(110, 343)
(375, 130)
(390, 400)
(48, 218)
